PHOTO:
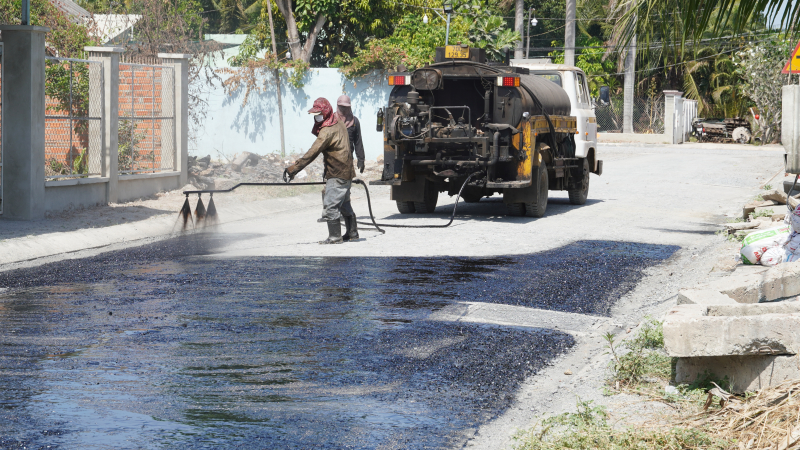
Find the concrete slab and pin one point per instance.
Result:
(704, 297)
(744, 373)
(696, 330)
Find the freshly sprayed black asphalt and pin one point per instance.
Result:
(156, 347)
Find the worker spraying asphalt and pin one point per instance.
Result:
(334, 144)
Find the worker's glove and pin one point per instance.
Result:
(289, 173)
(360, 165)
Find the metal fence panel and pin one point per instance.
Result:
(146, 118)
(73, 117)
(648, 116)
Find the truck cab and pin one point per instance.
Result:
(573, 80)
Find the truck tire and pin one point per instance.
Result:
(515, 209)
(430, 199)
(405, 207)
(536, 207)
(579, 196)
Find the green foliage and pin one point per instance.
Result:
(767, 187)
(413, 43)
(598, 68)
(589, 428)
(765, 213)
(81, 163)
(65, 38)
(650, 334)
(639, 356)
(129, 139)
(490, 33)
(760, 67)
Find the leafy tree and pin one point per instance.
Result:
(64, 39)
(760, 67)
(413, 42)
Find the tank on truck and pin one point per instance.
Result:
(507, 131)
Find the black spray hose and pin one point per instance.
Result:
(378, 225)
(322, 183)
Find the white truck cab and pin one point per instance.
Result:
(573, 81)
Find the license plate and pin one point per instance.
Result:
(456, 52)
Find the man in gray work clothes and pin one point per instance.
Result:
(334, 144)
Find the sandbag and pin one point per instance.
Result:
(755, 244)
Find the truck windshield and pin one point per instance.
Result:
(554, 77)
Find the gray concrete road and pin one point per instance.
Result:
(647, 230)
(669, 195)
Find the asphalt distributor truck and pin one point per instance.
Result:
(505, 129)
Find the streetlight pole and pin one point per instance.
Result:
(26, 12)
(448, 8)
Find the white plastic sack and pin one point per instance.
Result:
(755, 244)
(773, 256)
(788, 252)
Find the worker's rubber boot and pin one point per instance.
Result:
(352, 228)
(334, 233)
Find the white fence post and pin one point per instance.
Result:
(689, 114)
(23, 121)
(673, 111)
(109, 157)
(180, 63)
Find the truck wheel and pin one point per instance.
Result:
(537, 207)
(515, 209)
(429, 204)
(578, 196)
(405, 207)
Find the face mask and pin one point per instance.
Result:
(318, 118)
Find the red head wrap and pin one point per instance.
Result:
(322, 106)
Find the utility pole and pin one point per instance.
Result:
(528, 34)
(628, 86)
(277, 75)
(519, 18)
(569, 34)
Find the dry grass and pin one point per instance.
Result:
(769, 419)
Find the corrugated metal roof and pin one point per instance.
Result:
(71, 9)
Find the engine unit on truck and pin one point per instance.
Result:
(460, 116)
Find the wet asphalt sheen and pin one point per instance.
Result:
(165, 346)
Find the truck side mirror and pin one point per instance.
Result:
(379, 127)
(605, 96)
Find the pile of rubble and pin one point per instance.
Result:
(249, 167)
(763, 214)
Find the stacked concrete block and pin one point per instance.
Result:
(743, 327)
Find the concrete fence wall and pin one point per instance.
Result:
(231, 126)
(26, 193)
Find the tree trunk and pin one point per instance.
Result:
(299, 51)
